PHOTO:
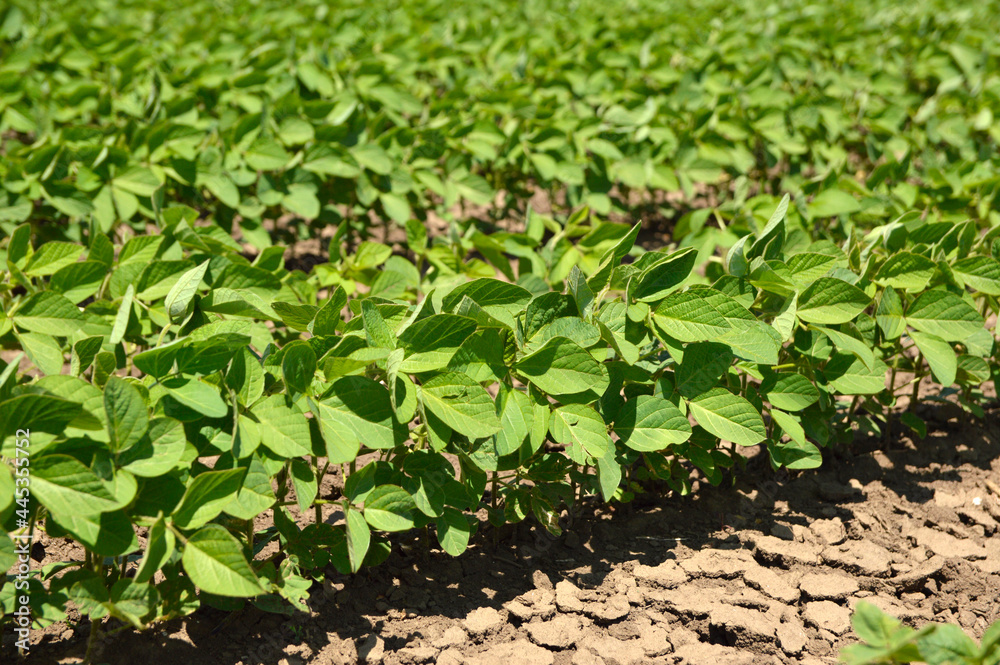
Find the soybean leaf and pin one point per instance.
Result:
(790, 392)
(845, 342)
(943, 314)
(358, 538)
(982, 273)
(160, 543)
(304, 481)
(158, 451)
(298, 366)
(49, 313)
(889, 315)
(389, 508)
(128, 417)
(515, 412)
(939, 355)
(365, 407)
(580, 426)
(206, 496)
(730, 417)
(283, 429)
(907, 271)
(660, 279)
(562, 367)
(197, 395)
(830, 301)
(690, 317)
(798, 453)
(850, 376)
(107, 534)
(180, 296)
(214, 561)
(453, 531)
(650, 424)
(703, 364)
(68, 488)
(461, 404)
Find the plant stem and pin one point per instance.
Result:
(917, 376)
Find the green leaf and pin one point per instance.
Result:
(365, 408)
(948, 644)
(389, 508)
(49, 313)
(304, 481)
(43, 351)
(515, 411)
(359, 538)
(197, 395)
(284, 430)
(206, 496)
(790, 392)
(128, 418)
(453, 531)
(107, 534)
(845, 342)
(256, 495)
(832, 203)
(214, 561)
(51, 257)
(939, 355)
(488, 292)
(180, 296)
(376, 330)
(266, 155)
(609, 475)
(461, 404)
(830, 301)
(430, 343)
(662, 278)
(372, 157)
(158, 451)
(136, 180)
(580, 426)
(68, 488)
(982, 273)
(650, 424)
(704, 363)
(38, 413)
(797, 453)
(298, 366)
(850, 376)
(690, 317)
(729, 417)
(907, 271)
(889, 315)
(122, 317)
(562, 367)
(943, 314)
(160, 543)
(78, 281)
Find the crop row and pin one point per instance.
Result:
(337, 113)
(205, 390)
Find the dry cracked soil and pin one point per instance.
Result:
(766, 570)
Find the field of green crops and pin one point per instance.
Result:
(566, 249)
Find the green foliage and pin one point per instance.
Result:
(330, 113)
(191, 402)
(886, 640)
(173, 384)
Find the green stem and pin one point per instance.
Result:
(917, 376)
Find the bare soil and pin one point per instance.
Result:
(764, 571)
